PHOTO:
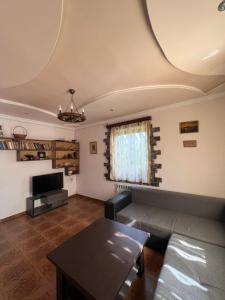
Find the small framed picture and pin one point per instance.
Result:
(41, 155)
(93, 147)
(190, 144)
(189, 127)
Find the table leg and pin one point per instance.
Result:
(141, 265)
(60, 285)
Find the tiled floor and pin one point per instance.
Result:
(26, 273)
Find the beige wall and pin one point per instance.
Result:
(198, 170)
(91, 180)
(15, 177)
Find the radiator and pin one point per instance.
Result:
(120, 187)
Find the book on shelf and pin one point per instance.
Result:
(23, 145)
(8, 145)
(34, 146)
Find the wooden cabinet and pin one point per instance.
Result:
(66, 155)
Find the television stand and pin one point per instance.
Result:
(48, 202)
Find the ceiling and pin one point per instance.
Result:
(106, 50)
(190, 35)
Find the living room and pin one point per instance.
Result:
(112, 150)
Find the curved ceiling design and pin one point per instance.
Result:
(103, 46)
(190, 34)
(19, 110)
(134, 100)
(113, 104)
(28, 32)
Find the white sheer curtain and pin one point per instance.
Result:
(130, 152)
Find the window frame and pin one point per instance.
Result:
(154, 181)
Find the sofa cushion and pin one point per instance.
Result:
(201, 229)
(192, 270)
(196, 205)
(132, 214)
(159, 222)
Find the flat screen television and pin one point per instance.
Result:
(46, 183)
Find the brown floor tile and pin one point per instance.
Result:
(40, 254)
(70, 222)
(23, 236)
(44, 294)
(59, 218)
(48, 271)
(29, 284)
(53, 232)
(10, 257)
(61, 238)
(44, 226)
(9, 276)
(25, 271)
(5, 246)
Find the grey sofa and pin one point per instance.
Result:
(192, 270)
(162, 213)
(194, 263)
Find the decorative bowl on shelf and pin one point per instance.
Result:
(19, 133)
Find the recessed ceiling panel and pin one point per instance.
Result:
(28, 112)
(191, 34)
(124, 102)
(29, 31)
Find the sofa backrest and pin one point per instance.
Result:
(202, 206)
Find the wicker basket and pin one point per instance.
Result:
(20, 136)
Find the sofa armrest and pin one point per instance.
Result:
(115, 204)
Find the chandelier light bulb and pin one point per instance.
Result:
(82, 110)
(60, 108)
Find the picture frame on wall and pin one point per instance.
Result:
(41, 155)
(93, 147)
(190, 144)
(189, 127)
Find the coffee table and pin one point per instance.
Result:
(99, 262)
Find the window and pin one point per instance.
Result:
(130, 152)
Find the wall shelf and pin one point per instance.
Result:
(37, 150)
(72, 153)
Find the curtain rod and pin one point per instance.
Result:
(129, 122)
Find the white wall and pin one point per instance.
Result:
(15, 177)
(91, 181)
(198, 170)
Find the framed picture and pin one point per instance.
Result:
(190, 144)
(189, 127)
(41, 155)
(93, 147)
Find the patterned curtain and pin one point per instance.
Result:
(130, 152)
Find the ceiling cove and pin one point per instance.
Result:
(190, 34)
(29, 33)
(113, 104)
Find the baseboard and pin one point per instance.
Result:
(12, 217)
(90, 198)
(69, 198)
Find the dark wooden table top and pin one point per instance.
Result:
(99, 258)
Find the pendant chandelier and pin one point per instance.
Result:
(221, 6)
(71, 114)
